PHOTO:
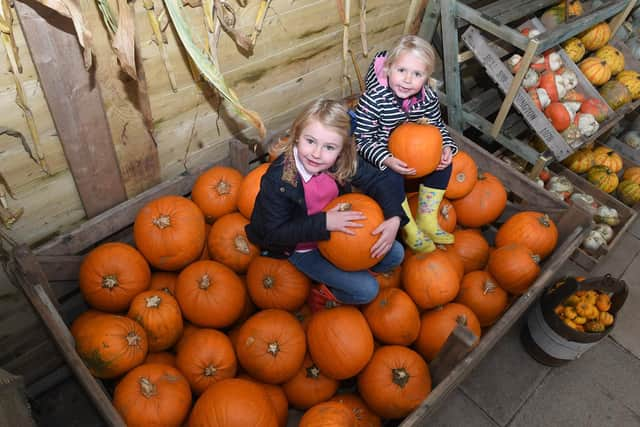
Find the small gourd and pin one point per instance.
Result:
(605, 230)
(593, 242)
(607, 215)
(594, 326)
(613, 57)
(580, 161)
(603, 302)
(574, 48)
(606, 318)
(603, 178)
(629, 192)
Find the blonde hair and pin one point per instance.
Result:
(332, 114)
(415, 45)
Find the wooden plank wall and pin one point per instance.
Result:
(298, 57)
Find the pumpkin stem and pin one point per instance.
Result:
(153, 301)
(488, 287)
(147, 388)
(544, 220)
(223, 187)
(461, 176)
(241, 244)
(400, 376)
(204, 282)
(162, 222)
(267, 282)
(535, 258)
(109, 281)
(461, 320)
(133, 339)
(444, 210)
(422, 121)
(210, 371)
(273, 348)
(343, 207)
(313, 372)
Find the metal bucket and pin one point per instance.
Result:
(544, 335)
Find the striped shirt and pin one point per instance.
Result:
(380, 111)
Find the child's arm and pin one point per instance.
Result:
(366, 132)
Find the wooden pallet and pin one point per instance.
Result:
(47, 277)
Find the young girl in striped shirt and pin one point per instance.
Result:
(398, 91)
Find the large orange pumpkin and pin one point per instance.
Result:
(535, 230)
(210, 294)
(330, 413)
(454, 258)
(111, 275)
(206, 357)
(271, 346)
(111, 345)
(353, 252)
(233, 402)
(170, 232)
(164, 281)
(481, 293)
(249, 189)
(276, 396)
(430, 279)
(472, 248)
(82, 320)
(483, 204)
(514, 266)
(340, 341)
(365, 417)
(228, 242)
(395, 381)
(276, 283)
(464, 175)
(216, 191)
(393, 317)
(436, 325)
(309, 386)
(418, 145)
(160, 316)
(153, 395)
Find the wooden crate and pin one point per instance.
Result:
(50, 272)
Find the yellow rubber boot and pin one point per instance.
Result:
(427, 219)
(413, 237)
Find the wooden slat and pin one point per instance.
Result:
(30, 276)
(459, 343)
(76, 106)
(60, 267)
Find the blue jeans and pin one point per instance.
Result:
(349, 287)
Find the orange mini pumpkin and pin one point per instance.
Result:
(210, 294)
(418, 145)
(276, 283)
(515, 267)
(170, 232)
(111, 275)
(249, 189)
(340, 341)
(472, 248)
(393, 317)
(153, 394)
(483, 204)
(160, 316)
(395, 381)
(228, 242)
(309, 386)
(437, 325)
(464, 174)
(206, 357)
(480, 292)
(535, 230)
(353, 252)
(271, 346)
(430, 279)
(216, 191)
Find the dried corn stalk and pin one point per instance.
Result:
(363, 27)
(160, 40)
(344, 8)
(6, 34)
(257, 28)
(208, 69)
(7, 216)
(122, 30)
(71, 9)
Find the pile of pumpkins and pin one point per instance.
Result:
(586, 311)
(555, 91)
(193, 321)
(605, 66)
(604, 168)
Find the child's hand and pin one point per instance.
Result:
(445, 160)
(398, 166)
(387, 231)
(343, 220)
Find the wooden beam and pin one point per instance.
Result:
(76, 106)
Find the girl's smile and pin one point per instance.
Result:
(318, 147)
(407, 75)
